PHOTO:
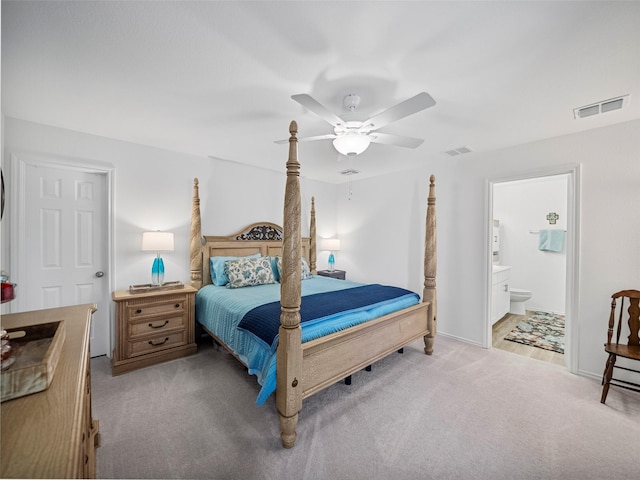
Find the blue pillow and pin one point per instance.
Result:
(218, 276)
(274, 267)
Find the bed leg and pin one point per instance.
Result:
(288, 430)
(432, 326)
(428, 345)
(369, 368)
(401, 351)
(347, 380)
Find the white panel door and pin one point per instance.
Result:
(65, 244)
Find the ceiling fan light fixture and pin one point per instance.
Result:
(351, 144)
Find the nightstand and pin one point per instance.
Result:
(339, 274)
(153, 327)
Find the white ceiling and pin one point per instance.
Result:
(215, 78)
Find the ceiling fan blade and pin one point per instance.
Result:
(413, 105)
(310, 139)
(398, 141)
(320, 110)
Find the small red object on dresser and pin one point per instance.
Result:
(8, 288)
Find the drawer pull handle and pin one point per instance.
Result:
(177, 305)
(159, 343)
(159, 326)
(138, 311)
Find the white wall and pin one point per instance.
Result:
(522, 207)
(153, 190)
(609, 235)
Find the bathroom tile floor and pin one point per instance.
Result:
(508, 323)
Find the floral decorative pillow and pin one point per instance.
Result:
(248, 272)
(306, 272)
(218, 277)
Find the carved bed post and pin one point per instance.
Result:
(312, 238)
(430, 260)
(196, 238)
(289, 354)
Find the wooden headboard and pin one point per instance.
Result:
(264, 238)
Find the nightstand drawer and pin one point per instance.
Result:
(158, 308)
(157, 343)
(156, 326)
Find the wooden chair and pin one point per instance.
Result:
(630, 349)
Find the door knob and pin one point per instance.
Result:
(99, 274)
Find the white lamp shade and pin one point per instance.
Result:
(351, 143)
(157, 241)
(331, 244)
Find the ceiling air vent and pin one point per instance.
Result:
(458, 151)
(601, 107)
(349, 171)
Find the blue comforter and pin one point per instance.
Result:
(264, 321)
(221, 311)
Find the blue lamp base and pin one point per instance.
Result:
(332, 262)
(157, 271)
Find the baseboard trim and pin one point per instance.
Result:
(458, 339)
(591, 375)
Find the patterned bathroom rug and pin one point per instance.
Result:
(541, 330)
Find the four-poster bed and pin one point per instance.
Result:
(306, 366)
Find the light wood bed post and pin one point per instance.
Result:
(196, 238)
(289, 354)
(312, 239)
(430, 261)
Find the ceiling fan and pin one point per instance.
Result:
(353, 137)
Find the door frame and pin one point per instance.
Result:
(19, 161)
(573, 249)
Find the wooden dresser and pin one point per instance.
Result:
(51, 434)
(153, 327)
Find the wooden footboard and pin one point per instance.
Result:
(329, 359)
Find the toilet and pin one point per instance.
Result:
(517, 299)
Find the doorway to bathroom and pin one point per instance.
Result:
(532, 282)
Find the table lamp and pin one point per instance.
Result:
(331, 245)
(157, 242)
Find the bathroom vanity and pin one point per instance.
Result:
(500, 294)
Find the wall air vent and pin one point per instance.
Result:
(601, 107)
(458, 151)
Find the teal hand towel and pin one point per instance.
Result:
(551, 240)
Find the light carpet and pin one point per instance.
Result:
(463, 413)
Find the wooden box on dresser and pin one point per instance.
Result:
(153, 327)
(52, 434)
